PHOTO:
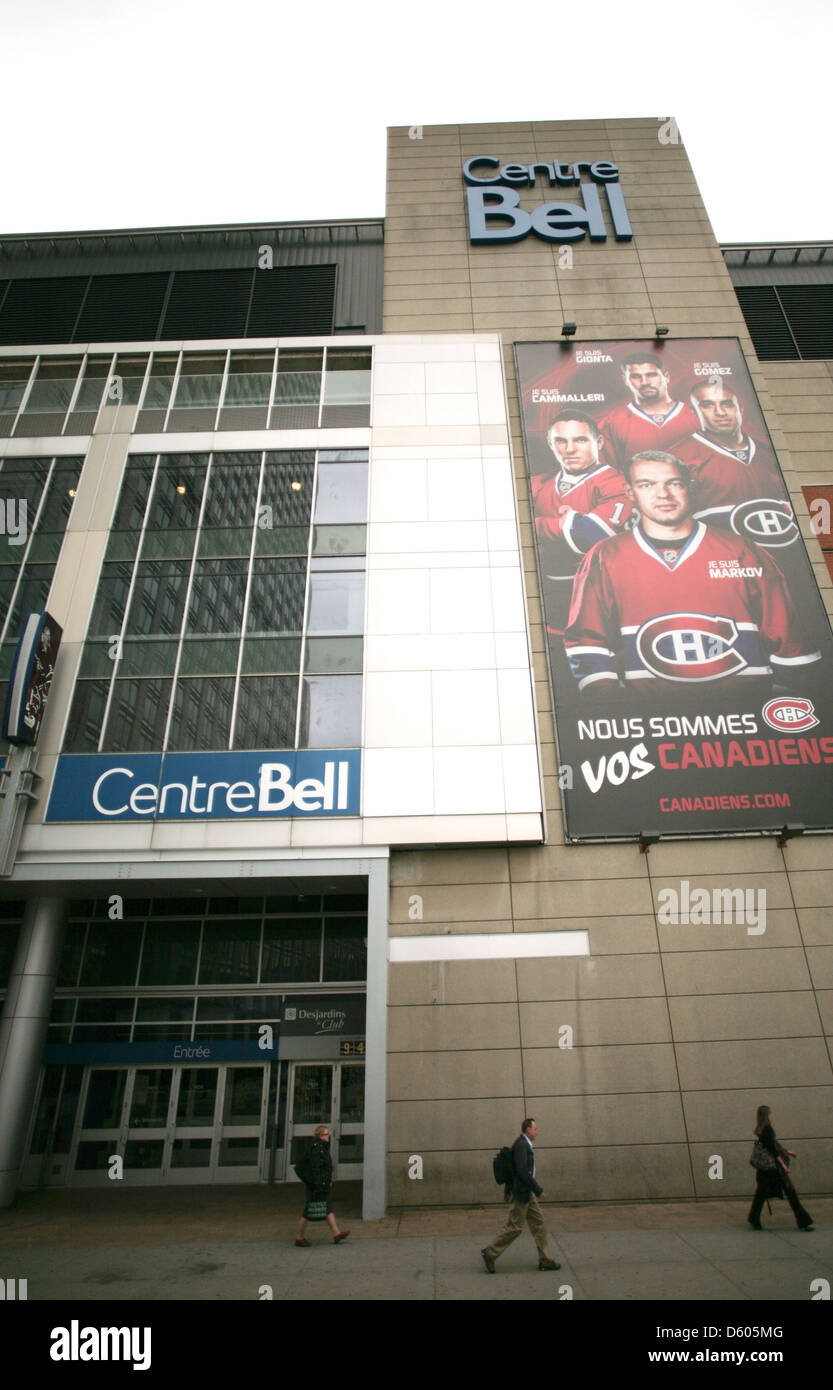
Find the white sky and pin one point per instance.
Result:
(130, 113)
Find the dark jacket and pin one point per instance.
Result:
(523, 1183)
(769, 1180)
(320, 1168)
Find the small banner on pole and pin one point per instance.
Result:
(31, 678)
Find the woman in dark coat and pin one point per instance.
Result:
(774, 1181)
(320, 1180)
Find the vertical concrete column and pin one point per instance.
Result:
(374, 1196)
(23, 1030)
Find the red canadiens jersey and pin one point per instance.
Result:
(746, 495)
(597, 502)
(628, 429)
(718, 609)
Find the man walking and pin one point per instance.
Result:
(525, 1194)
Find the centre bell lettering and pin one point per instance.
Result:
(495, 214)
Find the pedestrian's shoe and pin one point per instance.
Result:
(342, 1235)
(808, 1227)
(544, 1263)
(488, 1261)
(302, 1242)
(756, 1225)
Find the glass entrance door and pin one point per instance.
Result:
(332, 1094)
(171, 1124)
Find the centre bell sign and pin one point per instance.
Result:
(495, 214)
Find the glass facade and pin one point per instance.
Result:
(230, 607)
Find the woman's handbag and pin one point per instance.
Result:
(762, 1159)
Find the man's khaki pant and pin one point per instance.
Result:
(518, 1213)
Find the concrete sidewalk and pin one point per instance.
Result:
(237, 1243)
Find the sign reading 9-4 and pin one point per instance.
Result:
(690, 655)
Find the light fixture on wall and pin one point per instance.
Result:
(646, 839)
(660, 332)
(789, 832)
(567, 330)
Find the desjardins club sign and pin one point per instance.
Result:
(495, 214)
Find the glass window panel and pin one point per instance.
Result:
(200, 380)
(191, 1153)
(92, 385)
(158, 601)
(336, 602)
(93, 1155)
(278, 654)
(118, 1009)
(146, 657)
(276, 598)
(234, 1006)
(209, 656)
(313, 1097)
(8, 580)
(331, 712)
(135, 490)
(230, 952)
(86, 716)
(67, 1110)
(281, 540)
(143, 1153)
(345, 949)
(294, 903)
(326, 654)
(177, 496)
(227, 1032)
(339, 540)
(164, 1010)
(151, 1097)
(352, 1096)
(111, 599)
(13, 379)
(347, 381)
(202, 713)
(131, 373)
(298, 381)
(244, 1092)
(291, 950)
(345, 902)
(138, 714)
(349, 359)
(342, 493)
(63, 1011)
(112, 954)
(22, 480)
(47, 1107)
(162, 1032)
(286, 499)
(351, 1148)
(238, 1153)
(249, 379)
(32, 594)
(197, 1096)
(232, 490)
(71, 955)
(105, 1094)
(218, 593)
(160, 381)
(101, 1033)
(267, 707)
(53, 386)
(60, 496)
(169, 957)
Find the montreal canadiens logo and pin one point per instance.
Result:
(791, 714)
(689, 647)
(767, 521)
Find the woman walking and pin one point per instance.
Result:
(771, 1163)
(318, 1177)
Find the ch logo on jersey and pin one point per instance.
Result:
(689, 647)
(789, 714)
(767, 521)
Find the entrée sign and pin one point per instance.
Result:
(495, 214)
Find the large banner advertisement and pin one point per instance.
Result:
(690, 655)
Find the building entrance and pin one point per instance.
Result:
(197, 1124)
(332, 1094)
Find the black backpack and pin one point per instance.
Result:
(503, 1166)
